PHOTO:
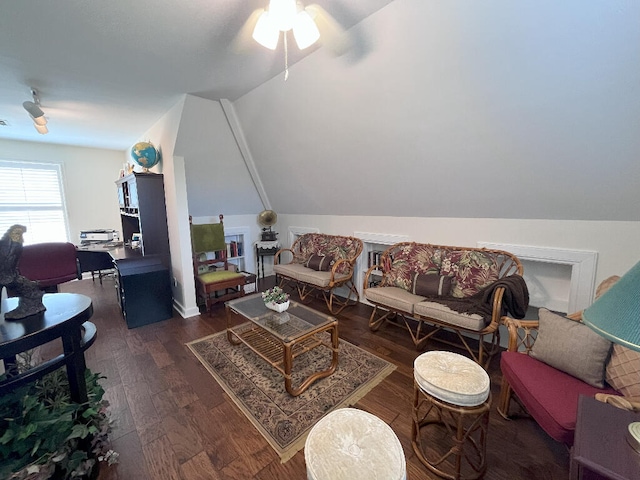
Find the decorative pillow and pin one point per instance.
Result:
(430, 285)
(623, 371)
(320, 263)
(571, 347)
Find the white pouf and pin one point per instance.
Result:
(351, 444)
(452, 378)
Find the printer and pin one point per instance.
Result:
(87, 236)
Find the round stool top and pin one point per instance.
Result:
(350, 444)
(452, 378)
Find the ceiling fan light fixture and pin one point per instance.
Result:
(305, 30)
(42, 129)
(266, 32)
(283, 13)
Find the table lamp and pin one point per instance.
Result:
(616, 316)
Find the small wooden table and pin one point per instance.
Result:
(281, 337)
(262, 252)
(600, 445)
(67, 318)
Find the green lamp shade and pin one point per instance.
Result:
(616, 314)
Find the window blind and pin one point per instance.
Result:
(31, 194)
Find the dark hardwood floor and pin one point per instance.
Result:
(173, 421)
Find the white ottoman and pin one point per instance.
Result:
(351, 444)
(451, 395)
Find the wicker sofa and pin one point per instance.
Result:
(427, 288)
(322, 263)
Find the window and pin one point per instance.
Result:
(31, 194)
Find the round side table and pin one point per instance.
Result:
(450, 415)
(351, 444)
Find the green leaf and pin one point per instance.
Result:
(89, 412)
(36, 446)
(6, 436)
(78, 431)
(27, 430)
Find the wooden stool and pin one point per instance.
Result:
(450, 415)
(351, 444)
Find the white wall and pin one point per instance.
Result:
(164, 136)
(617, 243)
(89, 181)
(204, 175)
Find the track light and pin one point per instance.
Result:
(36, 113)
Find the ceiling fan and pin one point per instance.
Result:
(308, 24)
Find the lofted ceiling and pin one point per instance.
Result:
(107, 71)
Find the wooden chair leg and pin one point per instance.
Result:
(505, 399)
(376, 323)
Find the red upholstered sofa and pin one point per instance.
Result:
(49, 264)
(548, 383)
(549, 395)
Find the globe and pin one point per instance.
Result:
(145, 155)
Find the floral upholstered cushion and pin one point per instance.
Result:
(335, 246)
(471, 271)
(410, 259)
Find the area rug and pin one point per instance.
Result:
(258, 389)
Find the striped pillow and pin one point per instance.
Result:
(320, 263)
(430, 285)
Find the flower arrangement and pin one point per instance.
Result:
(275, 295)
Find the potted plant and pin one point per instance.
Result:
(45, 435)
(276, 299)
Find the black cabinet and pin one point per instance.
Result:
(143, 213)
(144, 291)
(143, 277)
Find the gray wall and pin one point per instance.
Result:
(492, 109)
(217, 179)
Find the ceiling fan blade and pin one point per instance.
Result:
(243, 41)
(332, 35)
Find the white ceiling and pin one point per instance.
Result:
(107, 71)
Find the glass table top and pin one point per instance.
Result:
(298, 320)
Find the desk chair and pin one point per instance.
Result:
(49, 264)
(99, 262)
(214, 281)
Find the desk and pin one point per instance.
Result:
(143, 282)
(265, 249)
(601, 449)
(66, 318)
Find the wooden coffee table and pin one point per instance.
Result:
(281, 337)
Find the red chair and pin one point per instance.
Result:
(49, 264)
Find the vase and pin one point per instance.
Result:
(278, 307)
